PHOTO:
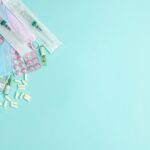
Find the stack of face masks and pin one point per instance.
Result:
(24, 44)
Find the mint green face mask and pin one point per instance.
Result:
(5, 49)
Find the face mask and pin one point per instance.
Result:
(19, 28)
(46, 38)
(13, 39)
(5, 50)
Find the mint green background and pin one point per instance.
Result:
(95, 92)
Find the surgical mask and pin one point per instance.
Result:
(46, 38)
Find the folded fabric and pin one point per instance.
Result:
(24, 34)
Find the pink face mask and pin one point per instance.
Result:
(30, 62)
(20, 29)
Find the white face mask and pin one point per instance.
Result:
(46, 38)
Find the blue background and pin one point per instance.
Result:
(94, 94)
